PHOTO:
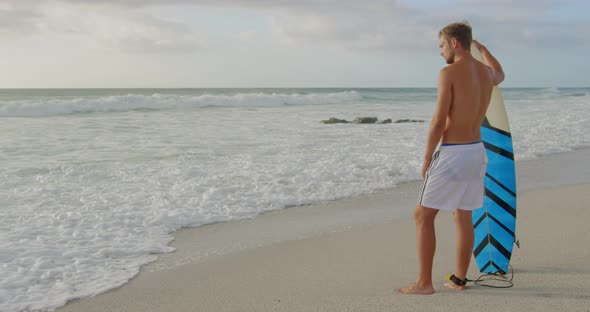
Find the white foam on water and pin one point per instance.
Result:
(89, 199)
(543, 125)
(53, 106)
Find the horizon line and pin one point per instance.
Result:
(341, 87)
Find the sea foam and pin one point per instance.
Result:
(41, 107)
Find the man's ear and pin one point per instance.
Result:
(454, 42)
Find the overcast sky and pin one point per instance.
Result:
(281, 43)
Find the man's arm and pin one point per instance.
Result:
(491, 62)
(439, 119)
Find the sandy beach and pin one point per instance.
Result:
(359, 267)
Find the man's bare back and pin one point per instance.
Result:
(471, 88)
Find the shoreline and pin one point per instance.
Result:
(199, 248)
(358, 269)
(201, 243)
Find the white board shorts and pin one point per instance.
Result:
(454, 179)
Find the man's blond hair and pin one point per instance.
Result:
(460, 31)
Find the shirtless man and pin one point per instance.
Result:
(453, 174)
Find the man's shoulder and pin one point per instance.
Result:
(482, 66)
(449, 69)
(447, 72)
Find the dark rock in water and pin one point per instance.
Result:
(365, 120)
(408, 120)
(333, 120)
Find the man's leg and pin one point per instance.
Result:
(426, 244)
(465, 238)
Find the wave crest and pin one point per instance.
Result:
(55, 106)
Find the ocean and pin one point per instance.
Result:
(94, 182)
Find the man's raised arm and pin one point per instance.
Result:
(491, 62)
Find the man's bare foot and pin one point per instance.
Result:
(414, 289)
(454, 286)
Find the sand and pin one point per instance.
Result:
(357, 266)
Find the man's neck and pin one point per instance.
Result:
(460, 55)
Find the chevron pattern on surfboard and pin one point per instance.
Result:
(495, 222)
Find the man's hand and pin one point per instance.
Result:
(425, 166)
(477, 45)
(490, 61)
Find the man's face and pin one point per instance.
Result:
(446, 51)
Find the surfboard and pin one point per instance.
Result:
(495, 223)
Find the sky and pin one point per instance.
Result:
(281, 43)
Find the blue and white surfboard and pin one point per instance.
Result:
(495, 222)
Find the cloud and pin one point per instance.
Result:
(17, 19)
(394, 29)
(394, 26)
(102, 25)
(383, 25)
(134, 32)
(399, 25)
(247, 36)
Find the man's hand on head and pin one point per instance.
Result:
(477, 45)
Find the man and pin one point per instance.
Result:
(453, 174)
